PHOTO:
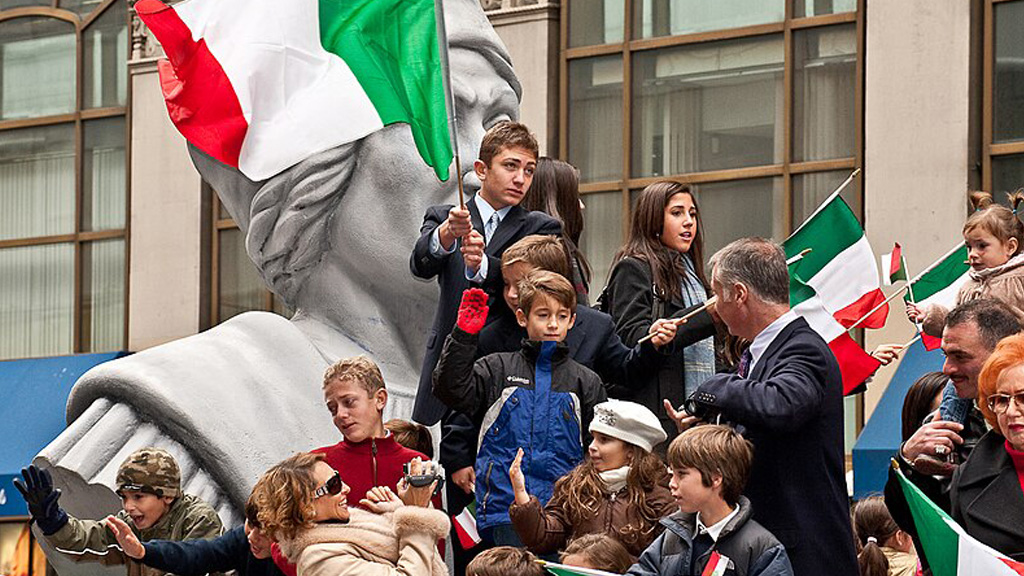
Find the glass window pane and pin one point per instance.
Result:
(602, 235)
(105, 57)
(241, 288)
(824, 88)
(36, 300)
(708, 107)
(83, 7)
(103, 270)
(37, 67)
(595, 117)
(1007, 175)
(37, 181)
(850, 421)
(1008, 101)
(653, 18)
(810, 190)
(731, 210)
(803, 8)
(103, 174)
(596, 22)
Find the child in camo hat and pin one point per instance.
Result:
(149, 484)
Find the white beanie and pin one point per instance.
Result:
(629, 422)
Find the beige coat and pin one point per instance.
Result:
(399, 543)
(1004, 283)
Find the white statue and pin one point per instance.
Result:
(332, 237)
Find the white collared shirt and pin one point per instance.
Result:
(716, 529)
(765, 338)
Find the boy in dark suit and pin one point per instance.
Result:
(490, 222)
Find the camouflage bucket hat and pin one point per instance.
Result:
(150, 470)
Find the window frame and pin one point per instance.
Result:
(79, 118)
(991, 150)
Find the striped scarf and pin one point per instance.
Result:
(699, 357)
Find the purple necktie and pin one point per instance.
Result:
(744, 363)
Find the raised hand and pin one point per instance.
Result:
(126, 539)
(472, 311)
(39, 493)
(411, 495)
(515, 474)
(381, 499)
(681, 417)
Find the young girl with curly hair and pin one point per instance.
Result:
(618, 490)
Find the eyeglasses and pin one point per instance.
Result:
(1000, 403)
(332, 487)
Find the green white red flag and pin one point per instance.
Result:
(836, 284)
(949, 549)
(939, 285)
(262, 84)
(893, 268)
(465, 526)
(716, 566)
(563, 570)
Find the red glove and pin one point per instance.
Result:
(472, 311)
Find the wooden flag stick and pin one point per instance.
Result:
(679, 321)
(799, 256)
(449, 100)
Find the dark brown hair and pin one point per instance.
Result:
(504, 135)
(918, 402)
(284, 496)
(600, 550)
(555, 191)
(411, 435)
(714, 449)
(871, 519)
(996, 219)
(644, 242)
(503, 561)
(553, 285)
(581, 492)
(541, 252)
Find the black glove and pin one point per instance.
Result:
(41, 497)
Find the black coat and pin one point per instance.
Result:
(450, 271)
(198, 557)
(791, 409)
(986, 497)
(629, 298)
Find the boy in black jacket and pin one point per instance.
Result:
(245, 549)
(713, 532)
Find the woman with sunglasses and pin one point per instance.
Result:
(987, 493)
(302, 504)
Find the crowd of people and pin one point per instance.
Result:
(614, 436)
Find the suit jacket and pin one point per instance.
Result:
(986, 497)
(450, 271)
(791, 407)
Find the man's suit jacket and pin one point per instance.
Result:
(791, 409)
(450, 271)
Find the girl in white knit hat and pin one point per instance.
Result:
(618, 490)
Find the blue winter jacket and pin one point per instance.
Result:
(750, 549)
(537, 399)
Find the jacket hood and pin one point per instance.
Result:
(1015, 264)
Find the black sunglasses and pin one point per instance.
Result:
(332, 487)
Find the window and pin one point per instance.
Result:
(236, 284)
(1003, 98)
(755, 103)
(63, 177)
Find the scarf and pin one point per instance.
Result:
(614, 480)
(699, 357)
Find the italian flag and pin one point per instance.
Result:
(835, 284)
(949, 549)
(939, 285)
(893, 268)
(465, 526)
(263, 84)
(563, 570)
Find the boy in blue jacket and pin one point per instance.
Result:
(537, 398)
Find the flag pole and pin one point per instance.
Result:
(831, 197)
(879, 307)
(449, 99)
(934, 264)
